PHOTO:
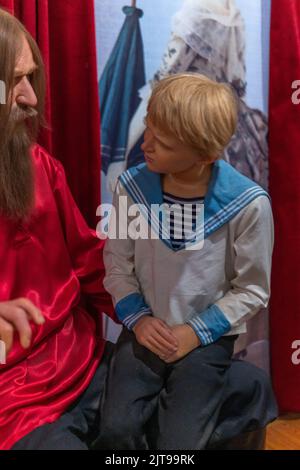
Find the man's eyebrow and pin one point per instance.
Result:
(30, 71)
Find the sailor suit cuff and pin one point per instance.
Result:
(131, 308)
(210, 325)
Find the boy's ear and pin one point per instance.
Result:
(207, 160)
(213, 159)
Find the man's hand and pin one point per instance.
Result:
(156, 335)
(187, 340)
(15, 315)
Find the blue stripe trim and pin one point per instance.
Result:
(232, 210)
(136, 195)
(120, 149)
(210, 325)
(130, 321)
(130, 308)
(200, 331)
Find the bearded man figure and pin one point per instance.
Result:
(51, 290)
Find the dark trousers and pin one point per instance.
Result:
(188, 394)
(248, 404)
(79, 425)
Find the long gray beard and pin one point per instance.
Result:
(16, 170)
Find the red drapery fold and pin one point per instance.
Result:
(284, 188)
(65, 33)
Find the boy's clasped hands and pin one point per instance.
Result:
(169, 343)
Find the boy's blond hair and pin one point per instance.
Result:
(196, 110)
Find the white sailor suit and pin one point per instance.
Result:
(215, 289)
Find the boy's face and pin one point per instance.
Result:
(165, 154)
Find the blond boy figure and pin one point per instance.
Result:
(183, 308)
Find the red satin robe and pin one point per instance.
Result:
(54, 260)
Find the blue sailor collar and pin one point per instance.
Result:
(228, 193)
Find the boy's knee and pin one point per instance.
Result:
(120, 432)
(119, 424)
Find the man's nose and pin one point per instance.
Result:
(25, 93)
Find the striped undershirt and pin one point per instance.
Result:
(181, 215)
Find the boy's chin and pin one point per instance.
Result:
(152, 168)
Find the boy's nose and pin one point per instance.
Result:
(147, 145)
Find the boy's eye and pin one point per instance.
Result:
(166, 147)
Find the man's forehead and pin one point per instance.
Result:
(25, 63)
(27, 69)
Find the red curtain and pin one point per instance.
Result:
(285, 193)
(65, 33)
